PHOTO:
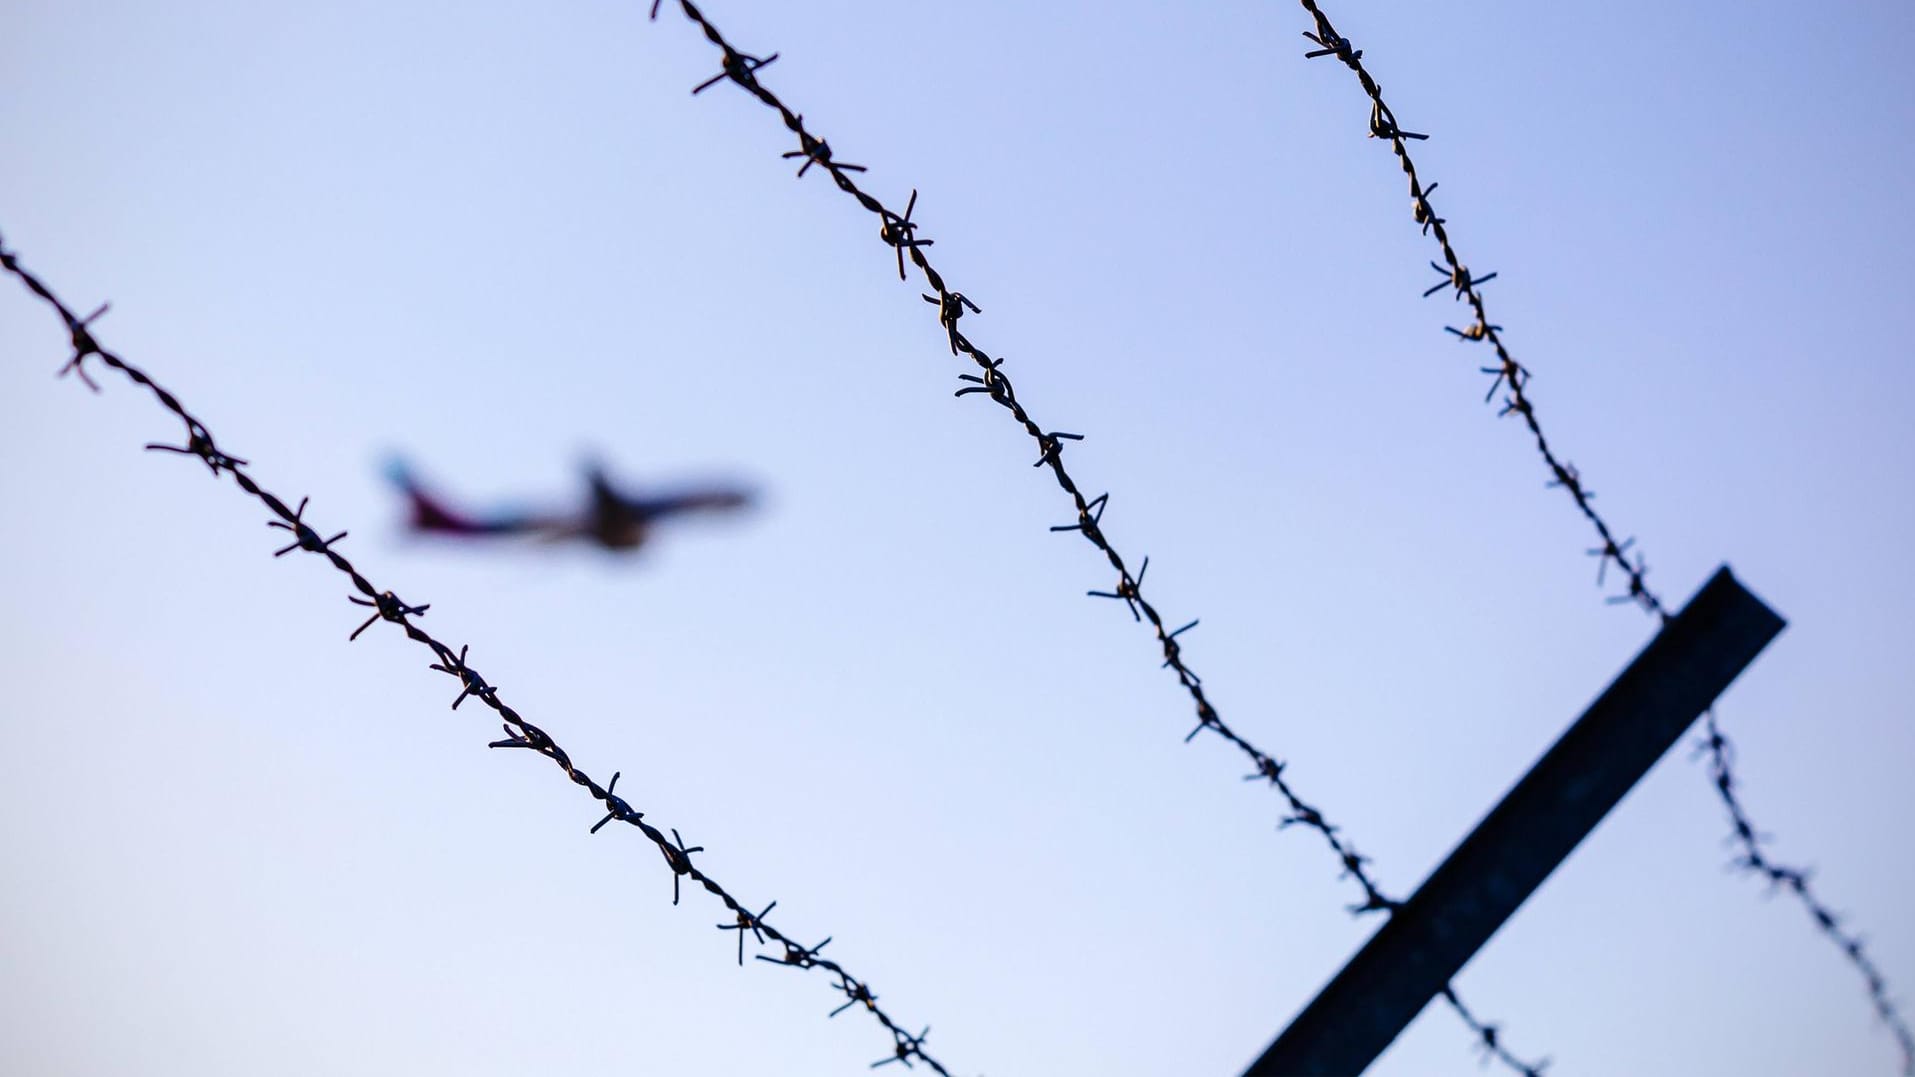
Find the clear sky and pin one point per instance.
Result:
(497, 237)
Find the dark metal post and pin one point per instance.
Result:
(1413, 957)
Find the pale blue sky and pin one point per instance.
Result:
(498, 236)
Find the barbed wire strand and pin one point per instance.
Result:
(899, 232)
(1507, 372)
(519, 731)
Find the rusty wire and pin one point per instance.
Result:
(519, 732)
(1507, 372)
(899, 232)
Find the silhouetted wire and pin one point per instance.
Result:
(899, 232)
(1507, 372)
(519, 731)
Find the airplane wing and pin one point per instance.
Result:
(608, 503)
(604, 503)
(689, 501)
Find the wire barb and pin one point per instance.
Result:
(1420, 206)
(470, 683)
(199, 443)
(1383, 124)
(1477, 331)
(740, 67)
(816, 151)
(803, 957)
(856, 994)
(1051, 444)
(1173, 651)
(902, 233)
(1332, 45)
(680, 859)
(951, 307)
(1458, 277)
(304, 537)
(615, 805)
(1088, 519)
(749, 921)
(999, 388)
(907, 1048)
(1128, 589)
(386, 605)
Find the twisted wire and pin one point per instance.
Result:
(519, 731)
(1507, 372)
(899, 231)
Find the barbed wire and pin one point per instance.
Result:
(1754, 858)
(1507, 372)
(519, 731)
(899, 232)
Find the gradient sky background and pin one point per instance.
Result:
(497, 237)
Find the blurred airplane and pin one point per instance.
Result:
(610, 518)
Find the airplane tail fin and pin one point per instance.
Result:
(428, 513)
